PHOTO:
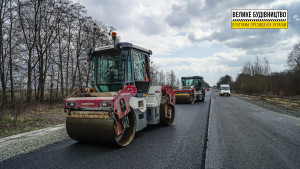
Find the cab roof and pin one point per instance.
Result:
(118, 46)
(192, 77)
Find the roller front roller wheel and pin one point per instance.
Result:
(128, 134)
(167, 114)
(100, 130)
(192, 99)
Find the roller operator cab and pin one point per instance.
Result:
(192, 90)
(120, 100)
(198, 83)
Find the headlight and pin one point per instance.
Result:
(71, 104)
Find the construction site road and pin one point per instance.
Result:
(177, 146)
(225, 132)
(243, 135)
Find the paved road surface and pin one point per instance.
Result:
(177, 146)
(242, 135)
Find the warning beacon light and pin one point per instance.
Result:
(114, 36)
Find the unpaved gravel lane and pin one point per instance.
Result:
(27, 142)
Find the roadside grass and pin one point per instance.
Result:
(36, 116)
(4, 132)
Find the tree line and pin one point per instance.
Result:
(161, 78)
(43, 46)
(256, 78)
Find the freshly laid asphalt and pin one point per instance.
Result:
(243, 135)
(239, 135)
(177, 146)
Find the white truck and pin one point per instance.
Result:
(224, 90)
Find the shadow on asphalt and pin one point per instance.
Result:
(83, 147)
(89, 147)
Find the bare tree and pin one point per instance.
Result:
(154, 74)
(178, 83)
(11, 45)
(247, 68)
(293, 60)
(45, 38)
(28, 21)
(225, 80)
(257, 67)
(43, 48)
(266, 67)
(3, 55)
(172, 78)
(162, 78)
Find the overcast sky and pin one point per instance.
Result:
(194, 37)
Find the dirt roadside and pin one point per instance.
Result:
(37, 116)
(284, 104)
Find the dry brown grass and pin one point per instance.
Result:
(30, 117)
(289, 105)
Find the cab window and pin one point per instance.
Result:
(140, 66)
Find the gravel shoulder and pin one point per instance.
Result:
(27, 142)
(287, 106)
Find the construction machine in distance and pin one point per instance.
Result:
(121, 100)
(192, 90)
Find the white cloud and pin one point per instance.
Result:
(160, 45)
(296, 17)
(231, 56)
(166, 27)
(211, 67)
